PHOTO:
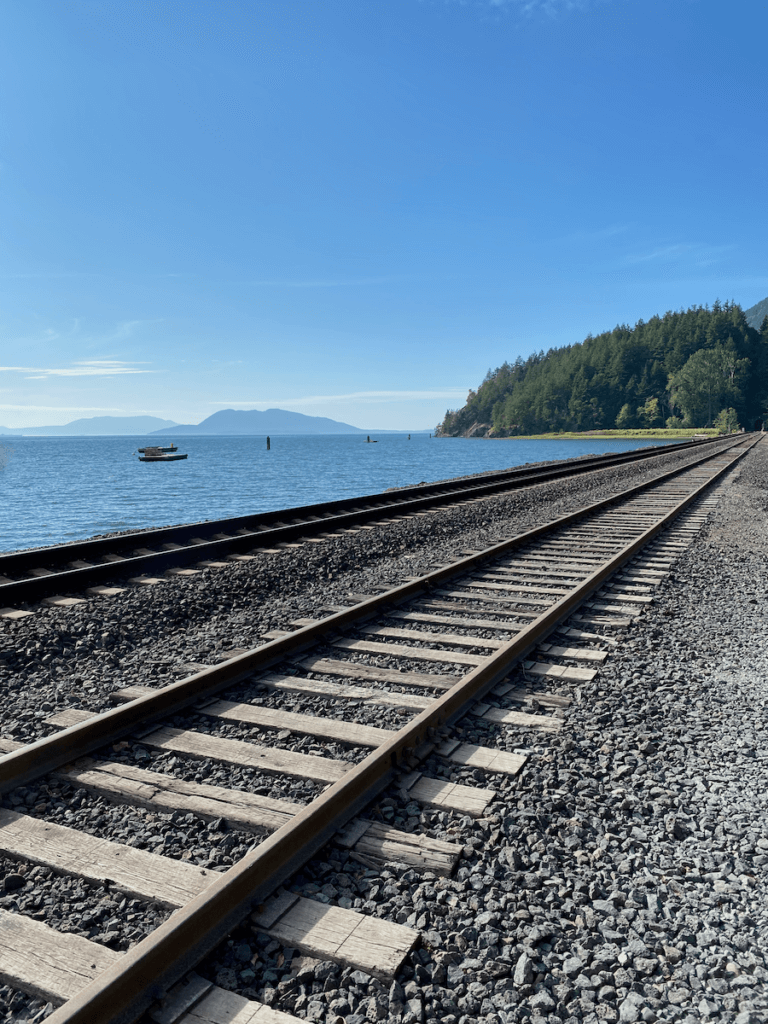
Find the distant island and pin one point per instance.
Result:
(271, 421)
(94, 425)
(226, 421)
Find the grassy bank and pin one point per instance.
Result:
(662, 434)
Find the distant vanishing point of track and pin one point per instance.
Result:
(66, 569)
(421, 656)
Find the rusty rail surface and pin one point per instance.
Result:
(147, 971)
(198, 541)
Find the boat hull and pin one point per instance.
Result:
(161, 458)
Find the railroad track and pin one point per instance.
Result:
(53, 574)
(431, 651)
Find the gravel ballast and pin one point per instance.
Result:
(77, 656)
(620, 877)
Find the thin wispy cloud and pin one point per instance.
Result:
(356, 282)
(46, 276)
(127, 328)
(353, 396)
(667, 252)
(82, 368)
(61, 408)
(548, 8)
(73, 334)
(698, 255)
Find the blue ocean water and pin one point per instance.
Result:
(59, 489)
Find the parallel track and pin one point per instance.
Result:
(520, 591)
(33, 575)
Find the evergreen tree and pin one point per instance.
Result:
(586, 386)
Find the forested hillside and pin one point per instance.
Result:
(680, 369)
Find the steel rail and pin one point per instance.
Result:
(47, 754)
(266, 529)
(146, 972)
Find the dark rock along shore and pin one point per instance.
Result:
(620, 877)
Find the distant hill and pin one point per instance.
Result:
(754, 315)
(271, 421)
(97, 425)
(681, 369)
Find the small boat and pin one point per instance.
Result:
(159, 455)
(159, 448)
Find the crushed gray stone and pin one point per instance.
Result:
(619, 876)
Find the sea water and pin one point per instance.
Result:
(59, 489)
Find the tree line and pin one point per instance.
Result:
(692, 368)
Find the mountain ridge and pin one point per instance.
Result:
(754, 315)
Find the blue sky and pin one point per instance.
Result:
(354, 209)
